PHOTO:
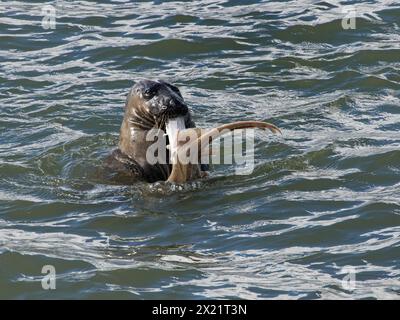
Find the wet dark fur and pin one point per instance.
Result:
(148, 105)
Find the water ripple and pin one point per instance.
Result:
(323, 196)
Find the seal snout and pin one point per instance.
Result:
(161, 98)
(174, 107)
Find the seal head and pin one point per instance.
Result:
(151, 103)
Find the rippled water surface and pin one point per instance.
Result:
(323, 196)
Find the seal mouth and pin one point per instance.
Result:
(169, 113)
(174, 110)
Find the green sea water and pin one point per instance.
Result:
(323, 199)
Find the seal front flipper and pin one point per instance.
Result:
(119, 169)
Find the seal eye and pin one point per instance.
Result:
(148, 94)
